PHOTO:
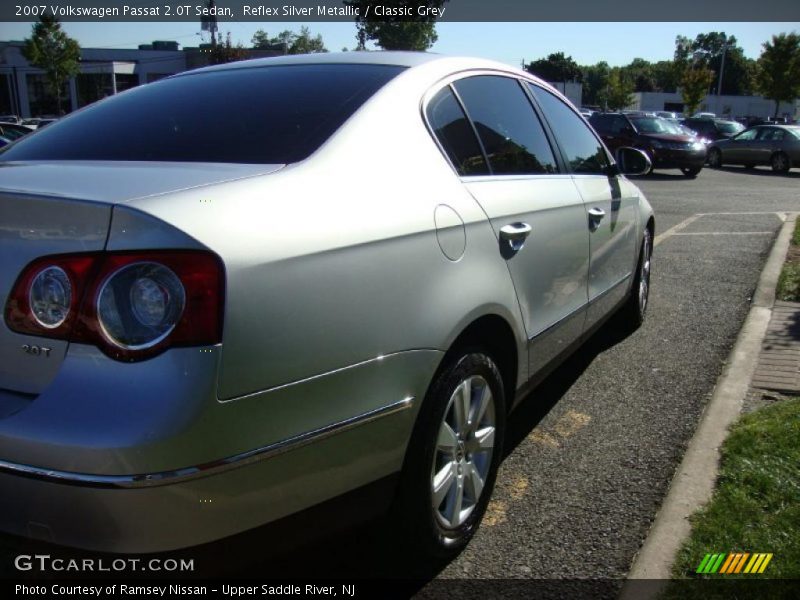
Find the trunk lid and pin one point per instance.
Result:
(59, 207)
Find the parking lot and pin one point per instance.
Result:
(590, 454)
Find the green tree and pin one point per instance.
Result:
(261, 40)
(225, 52)
(52, 50)
(595, 81)
(640, 72)
(666, 76)
(404, 32)
(619, 90)
(304, 43)
(708, 49)
(290, 42)
(778, 73)
(556, 67)
(695, 82)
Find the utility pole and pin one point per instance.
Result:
(719, 84)
(209, 23)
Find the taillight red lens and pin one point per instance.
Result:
(132, 305)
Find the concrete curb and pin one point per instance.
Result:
(694, 480)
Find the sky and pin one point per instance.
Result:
(510, 43)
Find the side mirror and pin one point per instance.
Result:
(632, 161)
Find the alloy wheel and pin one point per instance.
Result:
(644, 273)
(463, 454)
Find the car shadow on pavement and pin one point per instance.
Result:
(541, 400)
(759, 171)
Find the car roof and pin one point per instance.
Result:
(400, 59)
(441, 63)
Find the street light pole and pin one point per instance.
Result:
(719, 84)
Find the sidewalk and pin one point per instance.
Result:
(765, 358)
(778, 367)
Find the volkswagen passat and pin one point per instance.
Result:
(241, 291)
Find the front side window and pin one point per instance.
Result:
(270, 115)
(745, 136)
(584, 152)
(729, 126)
(512, 136)
(454, 132)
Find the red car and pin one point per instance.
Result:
(667, 145)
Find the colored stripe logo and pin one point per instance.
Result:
(734, 562)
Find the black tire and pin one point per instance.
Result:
(714, 158)
(780, 163)
(691, 172)
(422, 523)
(632, 314)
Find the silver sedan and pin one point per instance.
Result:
(244, 290)
(775, 145)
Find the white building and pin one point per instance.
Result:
(103, 71)
(722, 106)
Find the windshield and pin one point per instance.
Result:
(269, 115)
(730, 126)
(656, 125)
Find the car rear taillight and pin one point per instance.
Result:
(132, 305)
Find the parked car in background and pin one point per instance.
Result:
(713, 129)
(664, 142)
(9, 119)
(666, 114)
(13, 132)
(704, 115)
(775, 145)
(45, 122)
(229, 331)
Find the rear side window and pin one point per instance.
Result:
(278, 114)
(583, 151)
(509, 129)
(455, 134)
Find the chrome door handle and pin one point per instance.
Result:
(597, 213)
(515, 231)
(595, 216)
(515, 234)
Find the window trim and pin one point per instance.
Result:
(448, 81)
(567, 166)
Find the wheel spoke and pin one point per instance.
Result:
(447, 441)
(455, 503)
(482, 441)
(480, 407)
(461, 404)
(442, 483)
(473, 482)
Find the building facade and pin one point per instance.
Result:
(103, 72)
(722, 106)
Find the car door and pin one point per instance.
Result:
(768, 140)
(611, 206)
(534, 208)
(741, 147)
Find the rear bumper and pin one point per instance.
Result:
(161, 464)
(206, 508)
